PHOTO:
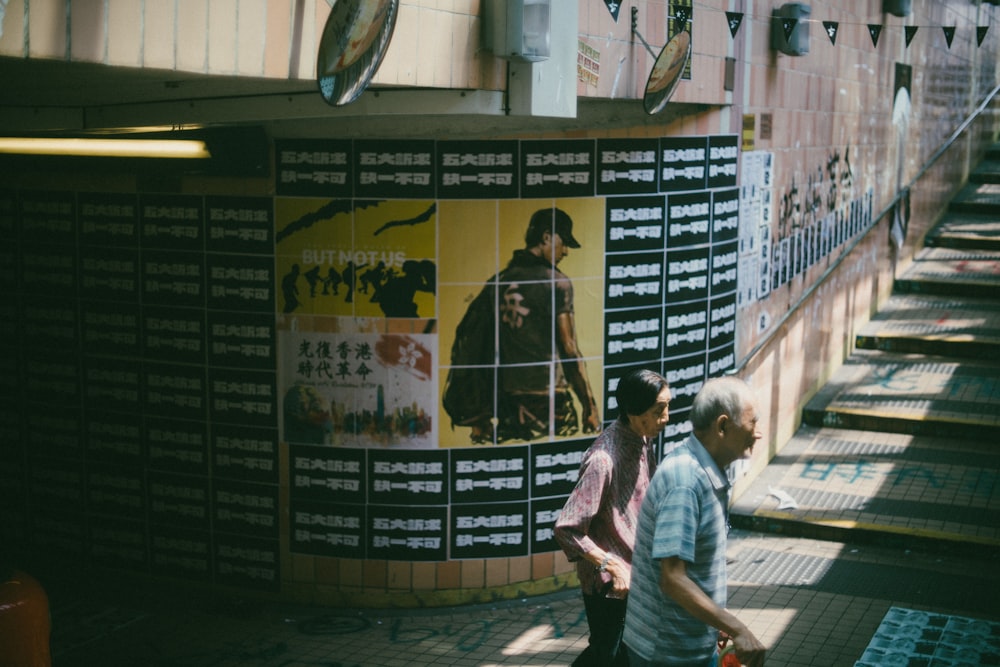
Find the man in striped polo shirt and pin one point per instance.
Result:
(596, 527)
(676, 609)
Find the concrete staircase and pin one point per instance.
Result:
(902, 445)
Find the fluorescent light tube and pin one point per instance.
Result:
(133, 148)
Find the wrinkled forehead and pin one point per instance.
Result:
(749, 415)
(748, 412)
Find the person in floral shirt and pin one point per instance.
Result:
(596, 527)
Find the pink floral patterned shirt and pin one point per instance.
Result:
(603, 508)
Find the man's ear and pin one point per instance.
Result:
(721, 422)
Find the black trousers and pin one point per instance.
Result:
(606, 618)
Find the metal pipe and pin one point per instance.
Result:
(635, 31)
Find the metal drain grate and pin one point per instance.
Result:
(842, 447)
(961, 519)
(770, 568)
(846, 452)
(981, 411)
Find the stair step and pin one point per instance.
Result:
(963, 230)
(937, 325)
(910, 394)
(977, 198)
(953, 271)
(988, 171)
(892, 488)
(898, 446)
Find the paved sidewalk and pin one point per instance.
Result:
(895, 469)
(812, 602)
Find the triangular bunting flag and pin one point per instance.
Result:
(949, 33)
(831, 30)
(981, 34)
(614, 8)
(788, 25)
(911, 30)
(735, 20)
(682, 14)
(874, 30)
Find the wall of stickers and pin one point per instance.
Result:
(166, 350)
(382, 248)
(141, 383)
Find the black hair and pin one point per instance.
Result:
(637, 391)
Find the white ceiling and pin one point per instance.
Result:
(57, 97)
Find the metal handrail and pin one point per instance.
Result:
(764, 342)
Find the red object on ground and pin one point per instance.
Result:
(730, 660)
(24, 621)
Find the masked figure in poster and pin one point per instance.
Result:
(397, 295)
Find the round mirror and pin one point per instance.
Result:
(666, 72)
(354, 40)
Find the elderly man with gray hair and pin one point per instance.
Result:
(676, 612)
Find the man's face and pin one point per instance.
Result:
(652, 421)
(740, 435)
(553, 248)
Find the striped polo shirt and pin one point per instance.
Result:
(684, 514)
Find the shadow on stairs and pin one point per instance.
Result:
(899, 448)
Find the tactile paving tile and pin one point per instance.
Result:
(977, 196)
(770, 568)
(941, 316)
(846, 447)
(954, 266)
(967, 225)
(979, 225)
(927, 409)
(987, 172)
(906, 449)
(888, 511)
(965, 256)
(910, 387)
(890, 483)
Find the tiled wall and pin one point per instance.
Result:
(435, 43)
(835, 108)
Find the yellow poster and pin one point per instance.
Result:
(356, 258)
(383, 345)
(357, 295)
(521, 342)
